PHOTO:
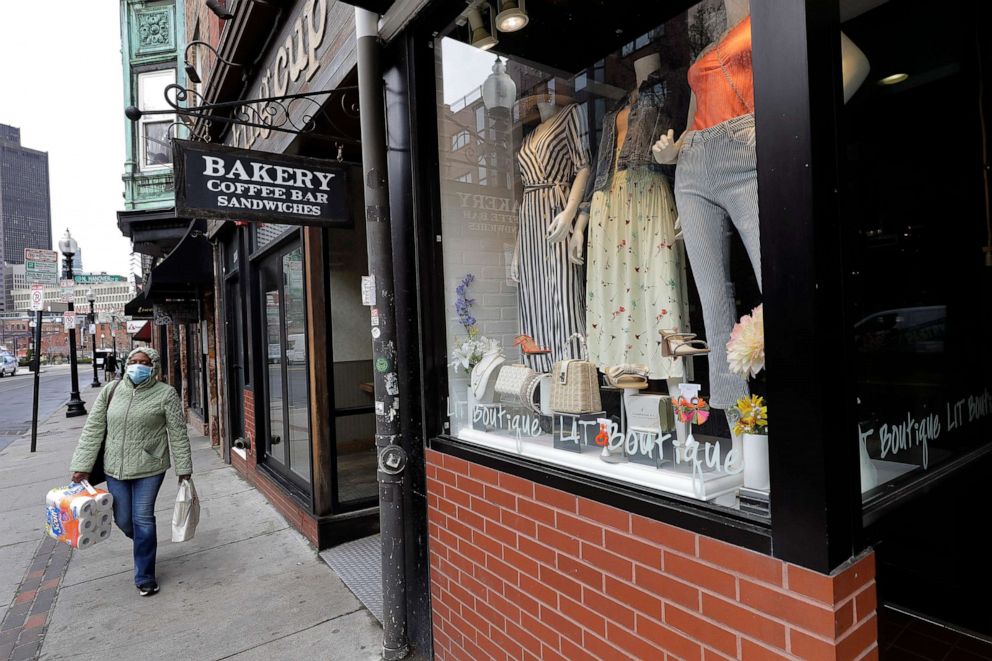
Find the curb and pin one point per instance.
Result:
(25, 623)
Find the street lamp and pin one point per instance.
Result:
(91, 298)
(75, 407)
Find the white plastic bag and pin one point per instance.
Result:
(187, 512)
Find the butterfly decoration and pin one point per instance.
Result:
(695, 411)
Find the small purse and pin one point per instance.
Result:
(516, 385)
(575, 383)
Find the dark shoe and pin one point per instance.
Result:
(148, 589)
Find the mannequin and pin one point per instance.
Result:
(551, 289)
(634, 265)
(643, 67)
(716, 179)
(560, 226)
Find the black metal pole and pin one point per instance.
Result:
(92, 331)
(392, 456)
(75, 407)
(36, 364)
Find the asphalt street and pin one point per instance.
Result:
(16, 394)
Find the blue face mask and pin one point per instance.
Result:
(138, 373)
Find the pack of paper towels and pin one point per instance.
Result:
(79, 515)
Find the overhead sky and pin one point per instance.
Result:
(60, 83)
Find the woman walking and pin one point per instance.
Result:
(143, 421)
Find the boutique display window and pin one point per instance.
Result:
(601, 249)
(919, 267)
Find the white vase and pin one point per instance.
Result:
(756, 462)
(869, 474)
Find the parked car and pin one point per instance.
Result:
(8, 365)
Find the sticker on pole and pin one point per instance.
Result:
(368, 290)
(37, 297)
(69, 320)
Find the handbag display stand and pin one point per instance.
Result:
(647, 418)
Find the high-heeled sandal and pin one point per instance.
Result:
(529, 346)
(675, 344)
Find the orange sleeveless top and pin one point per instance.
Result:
(722, 78)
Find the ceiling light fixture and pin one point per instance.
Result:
(512, 15)
(479, 36)
(894, 79)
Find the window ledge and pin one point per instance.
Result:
(739, 529)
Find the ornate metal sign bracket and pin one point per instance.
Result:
(297, 114)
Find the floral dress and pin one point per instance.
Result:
(635, 274)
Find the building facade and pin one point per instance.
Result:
(620, 494)
(110, 293)
(170, 268)
(25, 205)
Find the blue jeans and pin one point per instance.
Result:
(134, 514)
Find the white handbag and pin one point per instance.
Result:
(517, 385)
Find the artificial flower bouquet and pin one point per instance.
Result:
(746, 357)
(753, 416)
(470, 350)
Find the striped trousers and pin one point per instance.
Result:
(716, 184)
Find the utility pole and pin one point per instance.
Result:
(380, 295)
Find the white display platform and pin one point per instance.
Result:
(676, 478)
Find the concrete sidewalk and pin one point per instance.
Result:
(246, 587)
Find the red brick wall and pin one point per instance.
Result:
(249, 407)
(297, 516)
(522, 571)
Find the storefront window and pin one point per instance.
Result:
(354, 402)
(919, 275)
(601, 245)
(286, 387)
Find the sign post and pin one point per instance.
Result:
(41, 267)
(36, 365)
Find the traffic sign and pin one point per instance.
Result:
(69, 320)
(68, 290)
(41, 267)
(41, 255)
(37, 297)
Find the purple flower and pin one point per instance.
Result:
(463, 304)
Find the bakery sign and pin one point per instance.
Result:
(216, 181)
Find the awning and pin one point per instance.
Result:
(152, 232)
(186, 271)
(138, 307)
(145, 334)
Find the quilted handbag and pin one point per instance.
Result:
(517, 385)
(575, 383)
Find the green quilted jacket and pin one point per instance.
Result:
(143, 422)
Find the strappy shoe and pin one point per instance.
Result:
(676, 345)
(529, 346)
(627, 376)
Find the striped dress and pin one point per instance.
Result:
(551, 291)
